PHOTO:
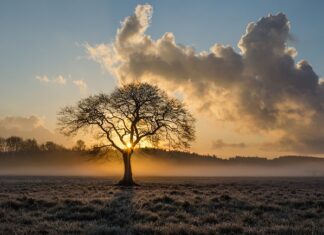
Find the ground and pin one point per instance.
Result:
(81, 205)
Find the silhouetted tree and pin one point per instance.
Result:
(14, 144)
(79, 146)
(131, 114)
(3, 145)
(30, 145)
(50, 146)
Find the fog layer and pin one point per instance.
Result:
(158, 164)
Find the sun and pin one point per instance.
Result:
(129, 145)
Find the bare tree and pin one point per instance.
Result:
(132, 114)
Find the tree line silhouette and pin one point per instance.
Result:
(28, 151)
(16, 144)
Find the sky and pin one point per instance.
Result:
(53, 53)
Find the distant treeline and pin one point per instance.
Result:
(194, 158)
(15, 144)
(18, 146)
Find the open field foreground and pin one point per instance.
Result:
(80, 205)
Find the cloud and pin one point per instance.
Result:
(261, 88)
(42, 78)
(60, 80)
(81, 84)
(321, 81)
(27, 127)
(219, 144)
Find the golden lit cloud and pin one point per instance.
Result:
(261, 89)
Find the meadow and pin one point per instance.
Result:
(162, 205)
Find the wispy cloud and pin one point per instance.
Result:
(42, 78)
(60, 80)
(219, 144)
(81, 84)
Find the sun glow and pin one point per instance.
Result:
(129, 145)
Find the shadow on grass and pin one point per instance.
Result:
(118, 214)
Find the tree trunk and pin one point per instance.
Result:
(128, 176)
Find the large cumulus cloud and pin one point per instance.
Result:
(261, 88)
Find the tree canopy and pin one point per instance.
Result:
(132, 113)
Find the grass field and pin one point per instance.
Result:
(81, 205)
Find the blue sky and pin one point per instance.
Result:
(45, 38)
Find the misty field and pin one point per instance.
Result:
(84, 205)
